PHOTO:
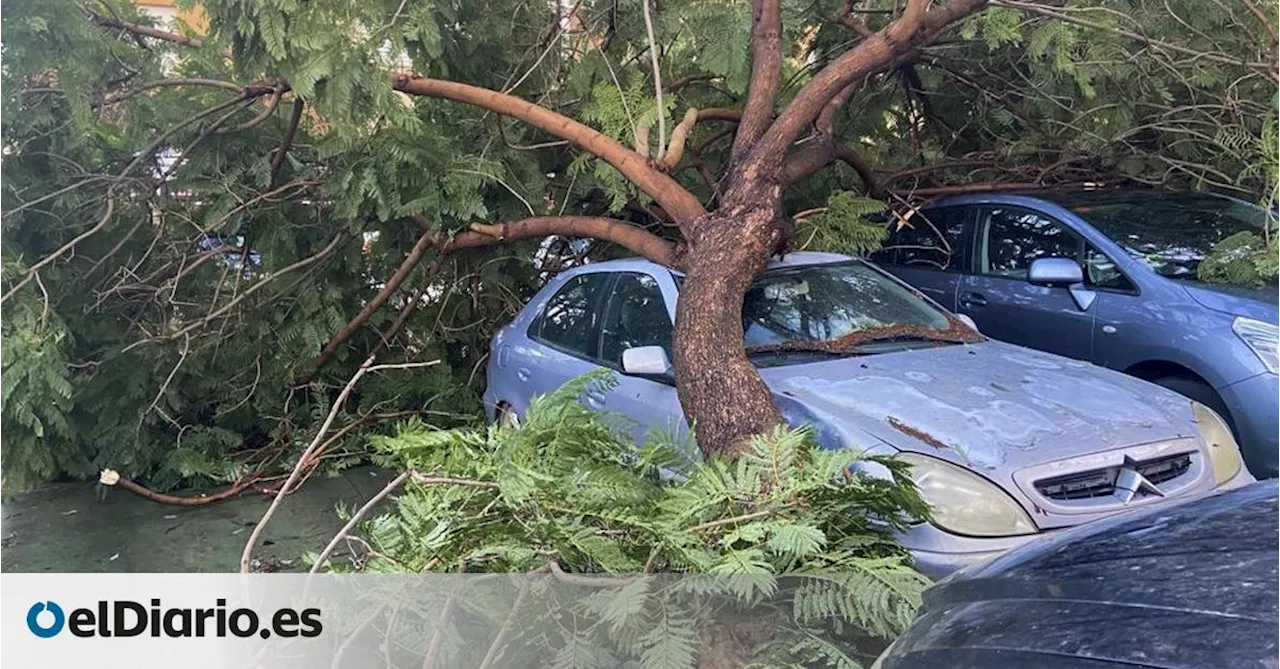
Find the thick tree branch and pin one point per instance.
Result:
(147, 31)
(720, 114)
(871, 55)
(295, 116)
(677, 201)
(824, 148)
(679, 136)
(631, 237)
(766, 73)
(680, 203)
(812, 158)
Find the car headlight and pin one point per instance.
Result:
(1224, 455)
(1260, 337)
(965, 503)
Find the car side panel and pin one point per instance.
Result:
(1017, 312)
(939, 285)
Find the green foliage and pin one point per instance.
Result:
(844, 227)
(1243, 259)
(181, 369)
(787, 522)
(35, 395)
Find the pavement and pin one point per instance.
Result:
(66, 527)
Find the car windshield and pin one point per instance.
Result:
(1173, 234)
(837, 308)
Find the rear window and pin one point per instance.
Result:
(1173, 235)
(933, 239)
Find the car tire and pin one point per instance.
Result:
(1196, 389)
(507, 416)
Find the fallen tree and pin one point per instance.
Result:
(691, 134)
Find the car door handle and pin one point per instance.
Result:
(973, 300)
(523, 373)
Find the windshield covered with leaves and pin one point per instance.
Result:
(837, 309)
(1193, 237)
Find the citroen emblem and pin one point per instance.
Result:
(1129, 482)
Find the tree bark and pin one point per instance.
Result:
(720, 390)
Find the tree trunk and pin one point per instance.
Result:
(717, 384)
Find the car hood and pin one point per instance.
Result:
(991, 406)
(1256, 303)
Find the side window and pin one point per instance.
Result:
(1012, 238)
(636, 316)
(569, 320)
(1101, 271)
(932, 239)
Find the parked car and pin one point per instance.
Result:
(1184, 586)
(1110, 277)
(1007, 443)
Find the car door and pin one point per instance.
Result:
(565, 338)
(998, 297)
(929, 251)
(637, 314)
(1124, 325)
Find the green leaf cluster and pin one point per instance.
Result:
(788, 525)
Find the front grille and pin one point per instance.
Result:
(1101, 482)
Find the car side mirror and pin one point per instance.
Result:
(1062, 272)
(649, 362)
(1054, 272)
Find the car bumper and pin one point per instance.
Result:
(1256, 414)
(938, 553)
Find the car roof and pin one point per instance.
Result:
(1079, 196)
(797, 259)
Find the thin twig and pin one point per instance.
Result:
(102, 223)
(657, 79)
(368, 366)
(356, 518)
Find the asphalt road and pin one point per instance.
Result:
(65, 527)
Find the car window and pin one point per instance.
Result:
(828, 302)
(569, 319)
(932, 239)
(1012, 238)
(636, 316)
(1101, 271)
(1173, 234)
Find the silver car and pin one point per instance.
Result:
(1007, 443)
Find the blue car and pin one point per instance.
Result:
(1110, 277)
(1006, 443)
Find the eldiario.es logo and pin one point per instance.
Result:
(125, 618)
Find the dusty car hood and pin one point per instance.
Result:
(992, 406)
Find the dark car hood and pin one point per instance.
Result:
(1256, 303)
(992, 406)
(1186, 585)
